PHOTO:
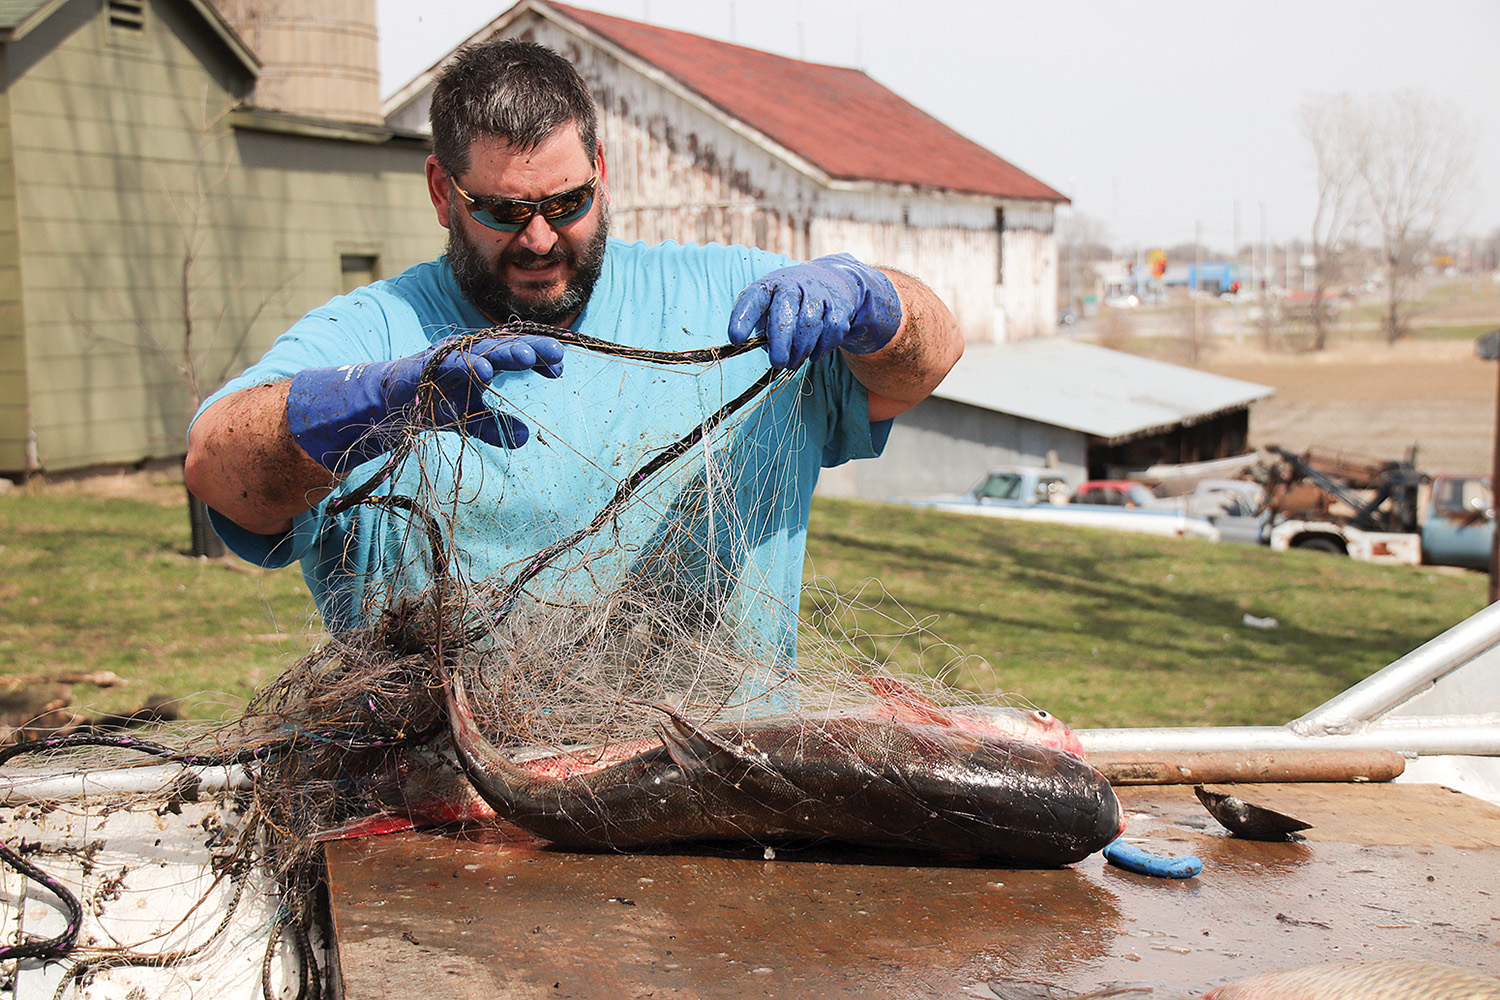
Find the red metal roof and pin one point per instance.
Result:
(838, 119)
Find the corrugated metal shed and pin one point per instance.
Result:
(1110, 395)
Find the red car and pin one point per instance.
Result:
(1114, 493)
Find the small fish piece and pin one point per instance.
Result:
(1398, 979)
(1247, 820)
(855, 779)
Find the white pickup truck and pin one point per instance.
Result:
(1030, 493)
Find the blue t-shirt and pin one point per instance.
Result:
(717, 535)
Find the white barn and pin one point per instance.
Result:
(709, 141)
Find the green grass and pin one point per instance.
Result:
(1110, 629)
(91, 584)
(1101, 628)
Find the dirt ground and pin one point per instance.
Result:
(1375, 401)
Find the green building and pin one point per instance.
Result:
(178, 183)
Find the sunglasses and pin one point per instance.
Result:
(511, 215)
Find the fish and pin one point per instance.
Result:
(1397, 979)
(857, 779)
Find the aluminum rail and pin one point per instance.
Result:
(1482, 740)
(1403, 679)
(19, 786)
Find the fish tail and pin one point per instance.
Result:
(507, 788)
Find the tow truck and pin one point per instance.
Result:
(1381, 512)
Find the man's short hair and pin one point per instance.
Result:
(516, 90)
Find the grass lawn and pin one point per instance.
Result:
(1111, 629)
(90, 583)
(1101, 628)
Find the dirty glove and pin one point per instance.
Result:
(332, 411)
(807, 310)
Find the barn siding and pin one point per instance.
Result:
(942, 446)
(678, 173)
(14, 400)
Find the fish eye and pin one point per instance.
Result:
(1041, 715)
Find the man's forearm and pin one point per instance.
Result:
(927, 345)
(243, 463)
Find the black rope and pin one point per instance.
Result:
(53, 947)
(398, 455)
(241, 756)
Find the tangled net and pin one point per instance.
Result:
(551, 668)
(560, 652)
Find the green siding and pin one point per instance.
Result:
(124, 167)
(15, 403)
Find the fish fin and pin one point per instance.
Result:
(694, 748)
(368, 826)
(908, 703)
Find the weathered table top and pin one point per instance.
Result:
(1386, 871)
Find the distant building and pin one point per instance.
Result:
(709, 141)
(1087, 411)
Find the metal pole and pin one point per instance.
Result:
(1494, 485)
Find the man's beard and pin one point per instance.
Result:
(477, 278)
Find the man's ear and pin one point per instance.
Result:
(439, 189)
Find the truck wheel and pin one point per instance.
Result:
(1319, 543)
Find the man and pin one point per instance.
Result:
(519, 179)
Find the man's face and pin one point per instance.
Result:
(543, 272)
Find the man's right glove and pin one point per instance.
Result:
(332, 412)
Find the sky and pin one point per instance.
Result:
(1164, 122)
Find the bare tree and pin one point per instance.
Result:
(1082, 242)
(1408, 158)
(216, 309)
(1416, 169)
(1331, 125)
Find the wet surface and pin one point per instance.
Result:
(493, 913)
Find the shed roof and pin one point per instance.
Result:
(838, 120)
(1107, 394)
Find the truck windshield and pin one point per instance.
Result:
(1461, 497)
(1000, 486)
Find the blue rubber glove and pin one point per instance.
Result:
(807, 310)
(332, 411)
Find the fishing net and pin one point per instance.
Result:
(571, 648)
(667, 595)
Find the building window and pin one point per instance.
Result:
(999, 246)
(356, 269)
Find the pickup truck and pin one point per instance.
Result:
(1030, 493)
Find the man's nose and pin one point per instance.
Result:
(537, 235)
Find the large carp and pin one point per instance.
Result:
(857, 779)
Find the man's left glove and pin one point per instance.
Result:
(807, 310)
(333, 412)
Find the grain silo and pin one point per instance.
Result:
(318, 57)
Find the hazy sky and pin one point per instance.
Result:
(1155, 118)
